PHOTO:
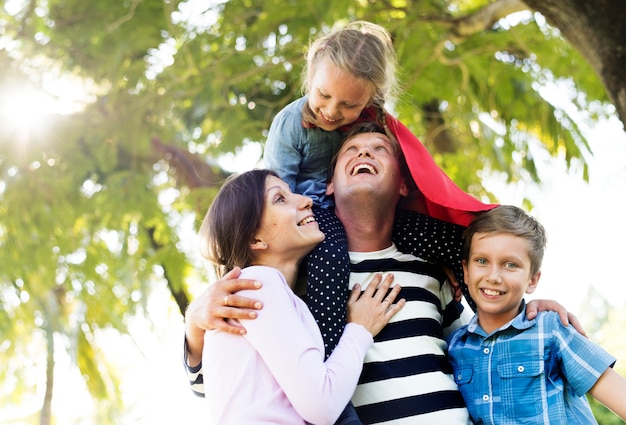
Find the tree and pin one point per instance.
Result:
(601, 42)
(91, 203)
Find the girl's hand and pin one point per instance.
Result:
(374, 307)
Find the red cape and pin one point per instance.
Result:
(439, 196)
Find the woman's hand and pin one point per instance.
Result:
(535, 306)
(374, 307)
(214, 306)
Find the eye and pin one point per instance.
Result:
(324, 95)
(510, 265)
(481, 261)
(349, 148)
(279, 198)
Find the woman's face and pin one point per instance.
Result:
(336, 98)
(288, 226)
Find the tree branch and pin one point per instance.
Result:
(486, 17)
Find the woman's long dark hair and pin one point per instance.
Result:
(232, 220)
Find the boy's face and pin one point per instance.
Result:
(336, 98)
(497, 274)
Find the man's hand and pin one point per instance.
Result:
(535, 306)
(454, 284)
(214, 306)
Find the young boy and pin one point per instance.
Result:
(511, 369)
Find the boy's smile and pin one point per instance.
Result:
(497, 274)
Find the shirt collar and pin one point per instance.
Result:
(519, 322)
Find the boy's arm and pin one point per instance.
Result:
(610, 390)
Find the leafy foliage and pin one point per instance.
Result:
(90, 202)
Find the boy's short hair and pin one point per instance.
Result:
(513, 220)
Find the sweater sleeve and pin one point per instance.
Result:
(286, 337)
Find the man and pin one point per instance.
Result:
(406, 377)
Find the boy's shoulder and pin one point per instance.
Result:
(457, 336)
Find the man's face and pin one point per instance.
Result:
(367, 164)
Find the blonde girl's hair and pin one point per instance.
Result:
(362, 49)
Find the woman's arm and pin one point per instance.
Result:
(209, 311)
(287, 338)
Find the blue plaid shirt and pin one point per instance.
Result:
(529, 371)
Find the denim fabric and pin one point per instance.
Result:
(349, 416)
(301, 156)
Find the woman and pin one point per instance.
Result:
(276, 373)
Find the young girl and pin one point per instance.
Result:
(277, 372)
(348, 76)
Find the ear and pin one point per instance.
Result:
(404, 190)
(258, 245)
(534, 280)
(330, 189)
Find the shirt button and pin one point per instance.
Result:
(486, 350)
(520, 369)
(486, 397)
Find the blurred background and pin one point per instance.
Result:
(120, 119)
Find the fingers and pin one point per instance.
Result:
(393, 294)
(531, 310)
(454, 284)
(229, 327)
(355, 293)
(224, 293)
(576, 324)
(377, 290)
(394, 308)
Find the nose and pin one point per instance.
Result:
(494, 275)
(333, 110)
(365, 153)
(305, 202)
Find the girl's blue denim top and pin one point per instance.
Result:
(301, 156)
